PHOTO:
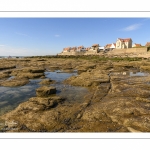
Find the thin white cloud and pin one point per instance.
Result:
(2, 45)
(21, 34)
(57, 35)
(132, 27)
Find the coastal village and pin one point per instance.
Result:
(122, 46)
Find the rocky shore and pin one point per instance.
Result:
(118, 99)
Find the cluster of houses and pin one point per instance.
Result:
(81, 48)
(120, 44)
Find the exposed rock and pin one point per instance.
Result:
(54, 68)
(47, 81)
(28, 72)
(37, 110)
(7, 67)
(30, 75)
(14, 82)
(145, 68)
(85, 67)
(45, 91)
(88, 79)
(4, 75)
(116, 102)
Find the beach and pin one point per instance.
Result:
(74, 94)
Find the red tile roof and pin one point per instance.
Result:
(147, 44)
(137, 45)
(125, 40)
(114, 44)
(80, 47)
(108, 46)
(94, 45)
(73, 48)
(66, 48)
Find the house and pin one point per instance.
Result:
(107, 47)
(113, 46)
(67, 49)
(123, 43)
(136, 45)
(81, 48)
(147, 44)
(101, 48)
(73, 49)
(88, 48)
(95, 47)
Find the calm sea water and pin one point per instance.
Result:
(12, 57)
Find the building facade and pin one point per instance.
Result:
(123, 43)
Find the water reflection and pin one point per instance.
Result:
(139, 74)
(131, 74)
(11, 97)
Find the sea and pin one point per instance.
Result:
(1, 57)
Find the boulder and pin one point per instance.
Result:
(45, 91)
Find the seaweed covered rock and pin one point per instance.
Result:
(47, 81)
(45, 91)
(14, 82)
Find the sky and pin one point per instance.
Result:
(48, 36)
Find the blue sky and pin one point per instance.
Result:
(48, 36)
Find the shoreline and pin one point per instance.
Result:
(118, 100)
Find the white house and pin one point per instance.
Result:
(113, 46)
(123, 43)
(107, 47)
(101, 48)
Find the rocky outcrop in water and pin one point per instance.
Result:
(13, 82)
(47, 82)
(45, 91)
(89, 78)
(29, 73)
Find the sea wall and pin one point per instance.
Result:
(78, 53)
(129, 51)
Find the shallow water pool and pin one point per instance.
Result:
(11, 97)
